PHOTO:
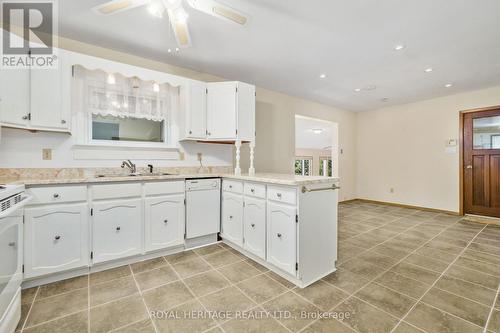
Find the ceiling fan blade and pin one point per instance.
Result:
(116, 6)
(219, 10)
(180, 28)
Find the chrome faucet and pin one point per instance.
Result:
(131, 166)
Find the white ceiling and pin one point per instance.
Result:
(305, 138)
(289, 43)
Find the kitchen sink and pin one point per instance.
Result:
(137, 175)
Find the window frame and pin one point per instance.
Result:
(322, 160)
(303, 159)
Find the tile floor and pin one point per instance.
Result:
(400, 270)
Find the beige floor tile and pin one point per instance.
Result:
(427, 262)
(407, 328)
(28, 295)
(238, 271)
(191, 267)
(57, 306)
(433, 320)
(156, 277)
(402, 284)
(261, 288)
(75, 323)
(112, 290)
(221, 258)
(378, 259)
(434, 253)
(206, 250)
(117, 314)
(323, 295)
(284, 282)
(257, 265)
(109, 274)
(385, 299)
(61, 287)
(206, 283)
(24, 314)
(184, 322)
(253, 322)
(458, 306)
(474, 276)
(181, 256)
(483, 257)
(295, 306)
(167, 296)
(346, 280)
(467, 289)
(143, 326)
(415, 272)
(227, 300)
(494, 324)
(328, 326)
(363, 268)
(365, 318)
(485, 247)
(147, 265)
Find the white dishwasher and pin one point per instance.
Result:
(202, 210)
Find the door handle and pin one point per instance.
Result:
(469, 167)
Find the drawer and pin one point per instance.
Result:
(282, 194)
(160, 188)
(115, 191)
(255, 190)
(58, 194)
(232, 186)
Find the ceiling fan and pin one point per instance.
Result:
(176, 13)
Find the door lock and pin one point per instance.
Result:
(469, 167)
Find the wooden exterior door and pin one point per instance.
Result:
(481, 163)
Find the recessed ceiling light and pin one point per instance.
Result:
(399, 47)
(370, 87)
(448, 85)
(317, 130)
(357, 89)
(322, 76)
(428, 70)
(385, 99)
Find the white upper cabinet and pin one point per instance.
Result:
(37, 98)
(193, 122)
(230, 111)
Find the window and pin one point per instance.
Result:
(486, 132)
(111, 128)
(325, 166)
(303, 166)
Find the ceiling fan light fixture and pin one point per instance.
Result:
(229, 14)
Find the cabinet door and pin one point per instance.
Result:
(221, 110)
(254, 222)
(56, 239)
(164, 222)
(246, 112)
(232, 218)
(281, 236)
(14, 97)
(196, 115)
(117, 229)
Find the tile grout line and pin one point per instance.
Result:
(492, 310)
(31, 307)
(391, 267)
(440, 276)
(142, 298)
(88, 303)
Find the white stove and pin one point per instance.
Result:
(12, 200)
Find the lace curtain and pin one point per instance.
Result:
(112, 94)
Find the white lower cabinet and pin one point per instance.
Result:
(281, 236)
(232, 217)
(164, 222)
(254, 224)
(56, 239)
(116, 229)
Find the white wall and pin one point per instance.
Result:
(403, 147)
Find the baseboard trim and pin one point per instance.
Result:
(394, 204)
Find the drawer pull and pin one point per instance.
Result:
(252, 190)
(230, 217)
(12, 244)
(118, 228)
(57, 237)
(252, 225)
(231, 186)
(279, 235)
(278, 195)
(166, 221)
(56, 195)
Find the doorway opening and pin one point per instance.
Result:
(316, 147)
(480, 162)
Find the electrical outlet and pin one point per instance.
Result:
(200, 156)
(391, 190)
(47, 154)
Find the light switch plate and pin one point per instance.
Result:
(47, 154)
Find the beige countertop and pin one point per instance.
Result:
(270, 178)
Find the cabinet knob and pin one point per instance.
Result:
(253, 225)
(252, 190)
(230, 186)
(56, 195)
(12, 244)
(209, 133)
(118, 228)
(278, 195)
(230, 217)
(279, 235)
(166, 221)
(25, 117)
(63, 121)
(190, 132)
(57, 237)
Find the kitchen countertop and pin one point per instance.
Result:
(270, 178)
